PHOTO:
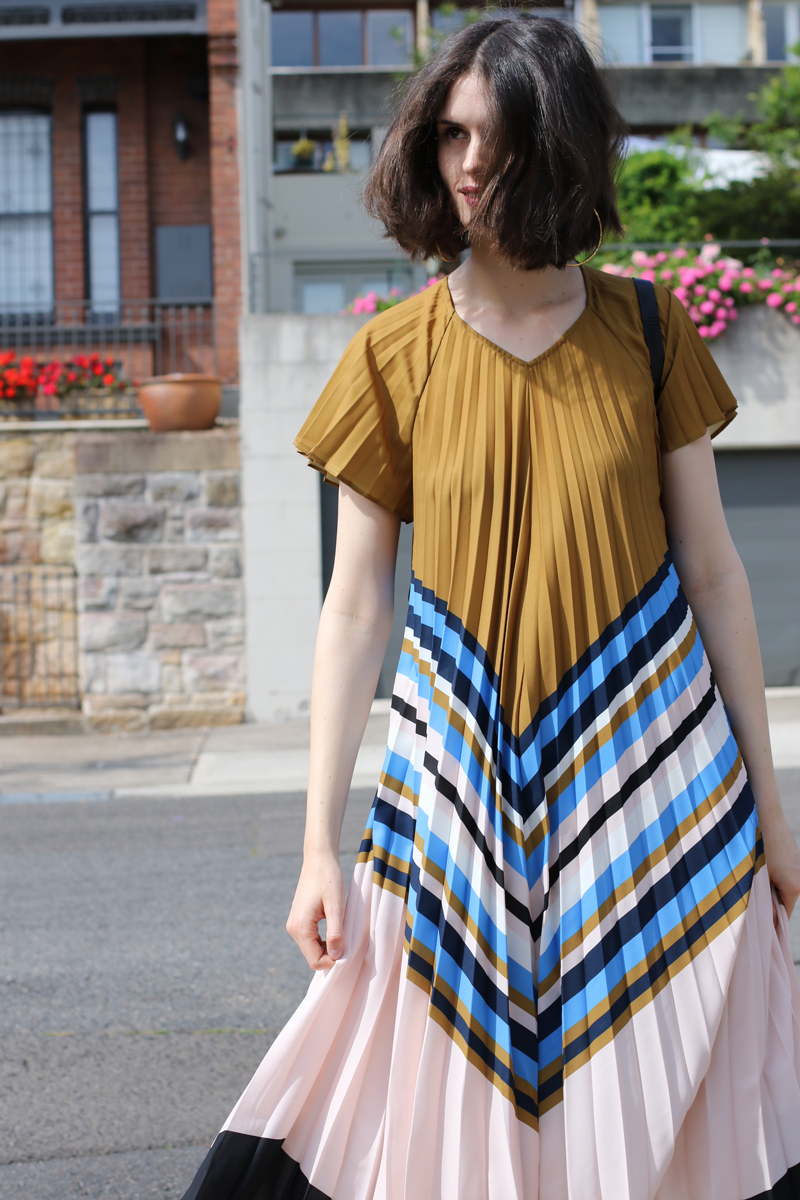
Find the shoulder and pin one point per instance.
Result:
(614, 300)
(414, 326)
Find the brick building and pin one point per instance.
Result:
(119, 161)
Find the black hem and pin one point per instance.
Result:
(242, 1167)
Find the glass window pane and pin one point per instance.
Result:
(101, 162)
(448, 22)
(25, 180)
(340, 39)
(620, 27)
(671, 34)
(323, 297)
(360, 156)
(26, 264)
(389, 37)
(104, 262)
(292, 39)
(775, 21)
(722, 33)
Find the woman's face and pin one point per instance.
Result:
(461, 129)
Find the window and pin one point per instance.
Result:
(320, 152)
(26, 217)
(292, 39)
(671, 34)
(448, 22)
(775, 21)
(329, 287)
(621, 28)
(722, 32)
(102, 210)
(342, 38)
(389, 41)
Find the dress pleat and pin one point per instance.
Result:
(562, 979)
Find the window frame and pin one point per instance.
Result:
(88, 111)
(11, 313)
(365, 58)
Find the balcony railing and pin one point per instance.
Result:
(73, 361)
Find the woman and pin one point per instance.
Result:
(561, 971)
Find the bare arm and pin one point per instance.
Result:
(716, 587)
(353, 634)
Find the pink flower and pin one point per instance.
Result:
(764, 285)
(789, 287)
(722, 314)
(680, 252)
(704, 331)
(745, 287)
(700, 290)
(717, 328)
(682, 294)
(707, 307)
(661, 256)
(649, 275)
(640, 259)
(774, 300)
(733, 314)
(695, 314)
(725, 282)
(796, 319)
(667, 273)
(777, 273)
(729, 301)
(748, 272)
(791, 307)
(714, 294)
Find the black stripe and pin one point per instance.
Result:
(634, 781)
(242, 1167)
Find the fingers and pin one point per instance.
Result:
(334, 941)
(303, 928)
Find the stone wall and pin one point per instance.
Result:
(160, 596)
(36, 510)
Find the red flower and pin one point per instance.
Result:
(110, 360)
(97, 369)
(71, 376)
(108, 380)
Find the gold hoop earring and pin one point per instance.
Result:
(597, 247)
(442, 257)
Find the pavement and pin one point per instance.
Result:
(145, 881)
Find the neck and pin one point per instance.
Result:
(486, 279)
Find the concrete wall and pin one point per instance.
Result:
(286, 361)
(661, 94)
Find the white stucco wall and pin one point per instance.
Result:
(759, 356)
(285, 361)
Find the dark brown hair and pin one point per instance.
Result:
(554, 146)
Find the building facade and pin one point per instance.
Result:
(119, 163)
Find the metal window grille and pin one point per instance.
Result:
(38, 638)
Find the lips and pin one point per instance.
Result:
(471, 194)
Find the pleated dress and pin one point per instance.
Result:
(561, 977)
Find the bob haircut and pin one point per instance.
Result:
(554, 146)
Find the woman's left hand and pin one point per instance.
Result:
(783, 857)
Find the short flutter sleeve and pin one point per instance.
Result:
(360, 430)
(694, 395)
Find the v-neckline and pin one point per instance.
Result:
(522, 362)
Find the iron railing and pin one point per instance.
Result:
(89, 364)
(38, 638)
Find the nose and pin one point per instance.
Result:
(473, 159)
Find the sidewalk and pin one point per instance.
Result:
(237, 760)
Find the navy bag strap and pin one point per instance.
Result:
(651, 324)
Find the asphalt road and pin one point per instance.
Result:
(144, 970)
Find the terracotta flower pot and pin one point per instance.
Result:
(172, 402)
